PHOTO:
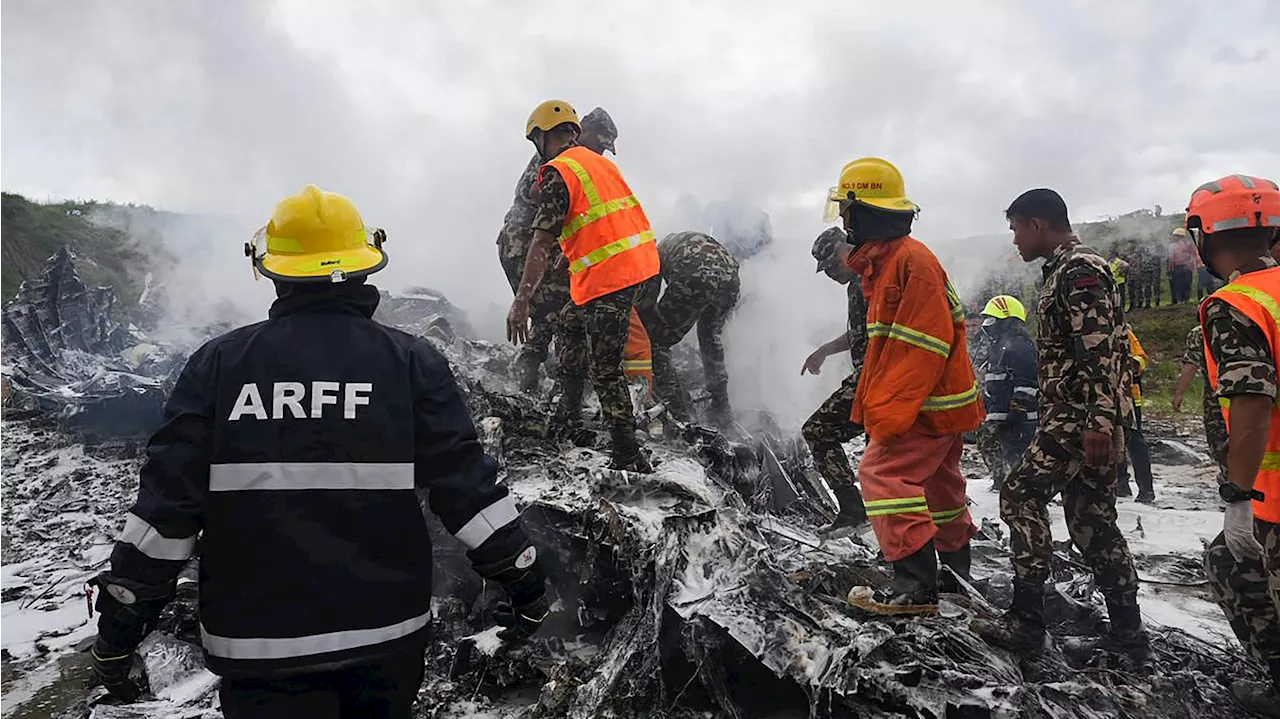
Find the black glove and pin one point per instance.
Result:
(112, 669)
(521, 621)
(526, 587)
(126, 611)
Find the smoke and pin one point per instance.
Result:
(416, 111)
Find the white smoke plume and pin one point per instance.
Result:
(416, 111)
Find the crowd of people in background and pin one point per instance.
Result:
(1141, 266)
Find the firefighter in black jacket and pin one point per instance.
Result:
(295, 446)
(1009, 385)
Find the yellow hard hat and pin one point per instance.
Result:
(551, 114)
(316, 236)
(1179, 232)
(1002, 307)
(873, 182)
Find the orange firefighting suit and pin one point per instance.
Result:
(916, 397)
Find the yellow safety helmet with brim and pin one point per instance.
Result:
(549, 115)
(871, 181)
(316, 236)
(1179, 232)
(1003, 307)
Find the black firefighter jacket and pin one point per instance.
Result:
(295, 446)
(1009, 387)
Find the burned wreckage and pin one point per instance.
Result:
(700, 590)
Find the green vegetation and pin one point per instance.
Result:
(32, 232)
(1163, 334)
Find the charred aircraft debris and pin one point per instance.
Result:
(699, 591)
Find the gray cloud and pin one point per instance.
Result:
(416, 110)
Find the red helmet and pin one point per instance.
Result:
(1231, 203)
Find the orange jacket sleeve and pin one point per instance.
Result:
(918, 333)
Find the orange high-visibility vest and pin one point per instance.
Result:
(606, 236)
(638, 361)
(1257, 295)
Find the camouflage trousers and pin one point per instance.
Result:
(592, 341)
(704, 301)
(1248, 593)
(1053, 464)
(547, 301)
(829, 428)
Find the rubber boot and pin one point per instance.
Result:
(527, 372)
(1022, 628)
(1127, 637)
(566, 420)
(958, 563)
(627, 455)
(914, 589)
(852, 516)
(1146, 496)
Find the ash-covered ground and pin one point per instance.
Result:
(699, 591)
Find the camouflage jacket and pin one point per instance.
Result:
(516, 225)
(1245, 364)
(857, 322)
(693, 255)
(1085, 370)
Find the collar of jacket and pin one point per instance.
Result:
(872, 254)
(1060, 254)
(346, 298)
(1265, 262)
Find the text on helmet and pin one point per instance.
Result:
(293, 397)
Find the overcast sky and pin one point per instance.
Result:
(417, 109)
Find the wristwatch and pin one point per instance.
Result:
(1231, 492)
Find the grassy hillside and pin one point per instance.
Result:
(32, 232)
(1163, 333)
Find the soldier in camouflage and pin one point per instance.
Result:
(1215, 428)
(1085, 376)
(701, 287)
(830, 427)
(1153, 259)
(552, 294)
(1247, 553)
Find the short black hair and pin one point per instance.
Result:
(1041, 204)
(1247, 236)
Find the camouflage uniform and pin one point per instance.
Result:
(701, 279)
(830, 427)
(553, 291)
(1246, 366)
(1084, 377)
(1152, 261)
(591, 339)
(1215, 427)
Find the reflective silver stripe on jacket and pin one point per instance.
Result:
(268, 476)
(152, 543)
(1030, 391)
(995, 376)
(997, 415)
(287, 647)
(487, 521)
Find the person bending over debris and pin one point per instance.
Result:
(917, 394)
(598, 135)
(584, 201)
(1009, 385)
(701, 279)
(1235, 222)
(1085, 405)
(1134, 441)
(828, 428)
(295, 445)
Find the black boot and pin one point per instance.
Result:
(566, 420)
(1146, 496)
(1022, 628)
(957, 563)
(914, 589)
(1127, 637)
(527, 372)
(852, 516)
(721, 414)
(627, 454)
